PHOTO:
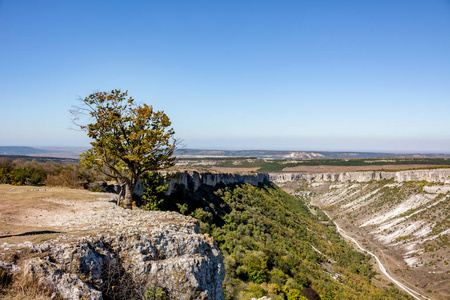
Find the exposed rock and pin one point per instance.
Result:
(405, 223)
(438, 175)
(51, 276)
(9, 267)
(190, 180)
(193, 180)
(132, 260)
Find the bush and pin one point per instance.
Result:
(266, 235)
(154, 193)
(294, 294)
(30, 174)
(256, 266)
(22, 172)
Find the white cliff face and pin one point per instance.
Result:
(143, 253)
(404, 222)
(193, 180)
(401, 216)
(437, 175)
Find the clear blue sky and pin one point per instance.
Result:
(294, 75)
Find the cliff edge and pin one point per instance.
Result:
(432, 175)
(107, 252)
(192, 180)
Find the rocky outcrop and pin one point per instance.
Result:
(435, 175)
(192, 180)
(154, 253)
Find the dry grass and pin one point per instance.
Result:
(18, 286)
(22, 295)
(26, 209)
(24, 289)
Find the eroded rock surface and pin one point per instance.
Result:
(402, 217)
(192, 180)
(437, 175)
(404, 223)
(137, 253)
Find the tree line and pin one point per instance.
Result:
(32, 172)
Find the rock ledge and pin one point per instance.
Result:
(170, 258)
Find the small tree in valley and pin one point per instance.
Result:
(128, 140)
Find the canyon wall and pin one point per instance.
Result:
(405, 224)
(434, 175)
(192, 180)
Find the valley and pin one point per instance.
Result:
(273, 244)
(400, 217)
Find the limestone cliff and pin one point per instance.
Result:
(192, 180)
(405, 224)
(435, 175)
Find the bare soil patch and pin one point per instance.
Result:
(55, 217)
(338, 169)
(38, 214)
(30, 213)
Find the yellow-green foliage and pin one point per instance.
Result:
(295, 294)
(33, 172)
(266, 237)
(128, 140)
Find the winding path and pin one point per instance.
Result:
(411, 292)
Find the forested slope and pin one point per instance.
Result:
(273, 245)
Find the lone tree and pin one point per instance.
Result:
(129, 140)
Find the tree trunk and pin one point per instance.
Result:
(127, 195)
(121, 196)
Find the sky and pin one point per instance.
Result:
(279, 75)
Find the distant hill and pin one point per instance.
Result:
(74, 152)
(67, 152)
(274, 154)
(21, 150)
(42, 159)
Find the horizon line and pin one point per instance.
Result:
(253, 149)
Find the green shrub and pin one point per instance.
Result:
(294, 294)
(155, 294)
(256, 267)
(33, 172)
(154, 192)
(265, 236)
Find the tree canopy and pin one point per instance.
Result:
(128, 140)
